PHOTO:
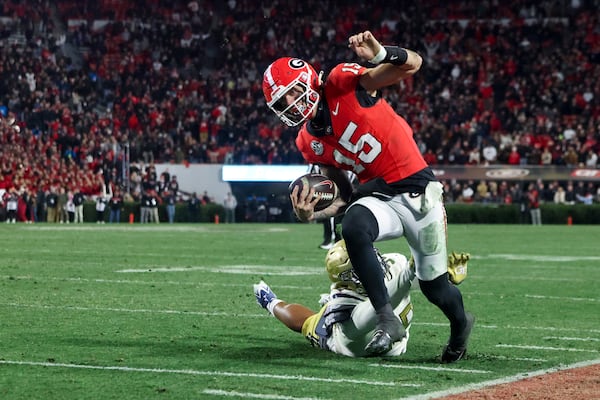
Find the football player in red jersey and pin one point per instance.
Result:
(347, 125)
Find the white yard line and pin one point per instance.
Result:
(245, 270)
(134, 310)
(436, 369)
(572, 339)
(142, 282)
(528, 359)
(246, 395)
(525, 278)
(518, 328)
(537, 257)
(233, 269)
(500, 381)
(549, 348)
(208, 373)
(551, 328)
(531, 296)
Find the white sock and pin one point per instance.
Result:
(272, 305)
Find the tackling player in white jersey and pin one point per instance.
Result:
(347, 320)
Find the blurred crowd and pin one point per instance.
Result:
(88, 87)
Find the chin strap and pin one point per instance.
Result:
(320, 125)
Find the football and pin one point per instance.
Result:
(323, 186)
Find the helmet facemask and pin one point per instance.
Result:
(340, 270)
(298, 111)
(295, 81)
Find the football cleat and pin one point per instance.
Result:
(264, 294)
(456, 349)
(457, 267)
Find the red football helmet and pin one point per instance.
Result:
(291, 89)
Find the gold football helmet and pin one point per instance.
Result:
(340, 270)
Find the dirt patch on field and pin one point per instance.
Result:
(573, 384)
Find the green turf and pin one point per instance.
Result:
(167, 312)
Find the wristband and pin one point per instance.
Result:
(380, 56)
(395, 55)
(390, 55)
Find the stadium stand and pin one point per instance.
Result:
(94, 85)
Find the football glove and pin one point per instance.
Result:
(457, 267)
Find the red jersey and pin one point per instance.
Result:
(369, 139)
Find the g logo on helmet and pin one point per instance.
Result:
(296, 63)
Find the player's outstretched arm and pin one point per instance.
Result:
(292, 315)
(393, 63)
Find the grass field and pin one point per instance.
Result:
(167, 312)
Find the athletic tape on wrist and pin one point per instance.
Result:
(390, 55)
(379, 57)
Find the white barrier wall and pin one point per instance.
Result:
(198, 178)
(215, 178)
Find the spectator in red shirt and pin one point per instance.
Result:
(514, 158)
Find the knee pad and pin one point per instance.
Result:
(432, 238)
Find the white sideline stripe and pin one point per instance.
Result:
(247, 395)
(500, 381)
(234, 269)
(128, 310)
(531, 296)
(515, 346)
(575, 339)
(441, 369)
(205, 373)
